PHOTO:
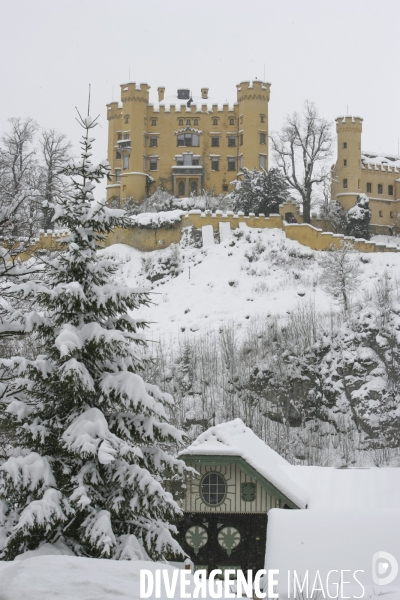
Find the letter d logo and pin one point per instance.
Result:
(380, 565)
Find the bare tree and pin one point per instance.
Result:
(341, 273)
(301, 150)
(19, 180)
(55, 149)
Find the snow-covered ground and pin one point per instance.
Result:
(72, 578)
(261, 273)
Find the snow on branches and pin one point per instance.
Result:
(95, 437)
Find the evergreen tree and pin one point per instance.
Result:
(260, 191)
(358, 218)
(95, 436)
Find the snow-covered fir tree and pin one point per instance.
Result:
(358, 218)
(94, 435)
(259, 191)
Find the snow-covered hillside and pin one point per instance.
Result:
(251, 274)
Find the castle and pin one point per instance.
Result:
(184, 143)
(358, 171)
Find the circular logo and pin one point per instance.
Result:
(229, 538)
(197, 537)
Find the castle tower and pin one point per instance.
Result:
(346, 184)
(127, 123)
(253, 98)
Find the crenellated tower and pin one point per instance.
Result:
(346, 184)
(253, 98)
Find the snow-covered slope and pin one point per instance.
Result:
(258, 272)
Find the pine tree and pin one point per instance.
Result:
(260, 191)
(95, 436)
(358, 218)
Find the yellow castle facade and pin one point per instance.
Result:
(184, 143)
(357, 171)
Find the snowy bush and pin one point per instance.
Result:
(358, 218)
(259, 191)
(165, 263)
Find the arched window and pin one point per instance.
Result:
(196, 122)
(231, 121)
(193, 187)
(180, 121)
(181, 188)
(215, 121)
(213, 488)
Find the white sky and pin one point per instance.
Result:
(338, 54)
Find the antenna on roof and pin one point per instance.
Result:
(88, 104)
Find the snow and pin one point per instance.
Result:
(235, 439)
(160, 219)
(268, 286)
(382, 159)
(324, 540)
(67, 577)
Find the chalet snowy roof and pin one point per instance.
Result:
(235, 439)
(311, 487)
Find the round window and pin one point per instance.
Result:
(213, 488)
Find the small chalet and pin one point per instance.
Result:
(240, 479)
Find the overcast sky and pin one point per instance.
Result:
(343, 53)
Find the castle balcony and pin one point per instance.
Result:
(124, 144)
(187, 170)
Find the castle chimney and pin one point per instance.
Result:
(161, 91)
(204, 93)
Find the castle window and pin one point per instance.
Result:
(215, 164)
(153, 141)
(231, 121)
(144, 163)
(119, 136)
(180, 121)
(126, 136)
(231, 164)
(193, 187)
(213, 488)
(181, 188)
(154, 122)
(188, 139)
(196, 122)
(215, 141)
(195, 162)
(126, 162)
(380, 188)
(391, 214)
(241, 139)
(118, 154)
(344, 144)
(369, 188)
(262, 118)
(179, 161)
(117, 175)
(225, 187)
(263, 161)
(231, 141)
(390, 190)
(126, 118)
(187, 121)
(153, 164)
(263, 138)
(381, 213)
(215, 121)
(345, 163)
(345, 184)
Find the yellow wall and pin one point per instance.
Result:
(250, 119)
